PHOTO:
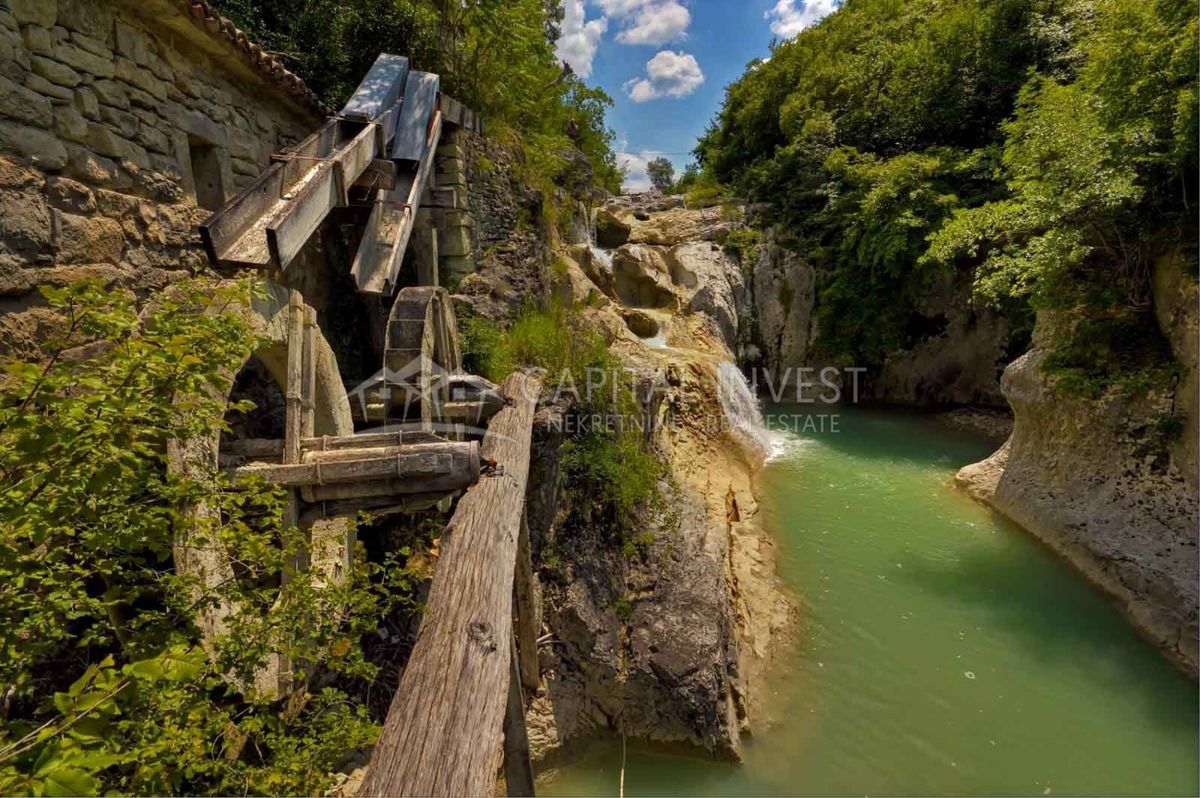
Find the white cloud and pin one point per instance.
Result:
(789, 17)
(668, 74)
(634, 165)
(653, 22)
(580, 37)
(657, 23)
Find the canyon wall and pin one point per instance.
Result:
(1100, 482)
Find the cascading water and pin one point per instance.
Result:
(742, 411)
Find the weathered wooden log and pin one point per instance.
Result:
(293, 417)
(444, 724)
(518, 771)
(529, 611)
(268, 448)
(415, 465)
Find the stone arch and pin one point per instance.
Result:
(331, 540)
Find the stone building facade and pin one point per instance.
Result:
(122, 125)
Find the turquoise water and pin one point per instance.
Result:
(944, 651)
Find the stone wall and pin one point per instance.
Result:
(117, 123)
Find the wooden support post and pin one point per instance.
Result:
(445, 721)
(425, 250)
(309, 375)
(529, 619)
(293, 420)
(518, 771)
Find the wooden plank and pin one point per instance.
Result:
(375, 505)
(412, 127)
(321, 190)
(380, 256)
(518, 771)
(529, 615)
(444, 724)
(308, 372)
(379, 90)
(267, 448)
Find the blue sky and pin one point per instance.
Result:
(666, 63)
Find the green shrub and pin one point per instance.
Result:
(108, 688)
(614, 475)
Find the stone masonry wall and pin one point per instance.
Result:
(114, 120)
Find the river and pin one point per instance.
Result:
(943, 650)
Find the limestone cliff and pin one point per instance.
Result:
(1095, 480)
(667, 646)
(956, 356)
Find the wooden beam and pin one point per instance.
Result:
(379, 90)
(377, 506)
(529, 612)
(321, 190)
(267, 448)
(381, 252)
(518, 771)
(444, 725)
(437, 464)
(380, 175)
(416, 114)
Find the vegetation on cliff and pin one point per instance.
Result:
(1047, 146)
(495, 55)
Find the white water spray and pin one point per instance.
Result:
(742, 411)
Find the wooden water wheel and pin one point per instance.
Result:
(421, 354)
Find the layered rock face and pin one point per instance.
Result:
(663, 647)
(1093, 479)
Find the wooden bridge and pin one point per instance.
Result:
(458, 712)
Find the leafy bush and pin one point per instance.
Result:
(613, 474)
(107, 686)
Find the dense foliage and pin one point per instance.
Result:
(1047, 146)
(105, 683)
(497, 56)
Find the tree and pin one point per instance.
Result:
(661, 173)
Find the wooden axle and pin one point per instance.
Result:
(413, 468)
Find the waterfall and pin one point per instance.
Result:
(602, 256)
(742, 412)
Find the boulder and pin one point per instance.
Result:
(611, 230)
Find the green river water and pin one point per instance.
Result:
(944, 651)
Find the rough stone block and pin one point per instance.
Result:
(94, 46)
(159, 68)
(42, 86)
(141, 99)
(87, 103)
(114, 204)
(7, 20)
(104, 141)
(95, 170)
(82, 239)
(37, 39)
(121, 121)
(134, 75)
(89, 17)
(131, 43)
(14, 174)
(69, 124)
(81, 59)
(454, 241)
(36, 12)
(18, 102)
(450, 172)
(55, 72)
(111, 93)
(69, 195)
(454, 268)
(24, 223)
(154, 140)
